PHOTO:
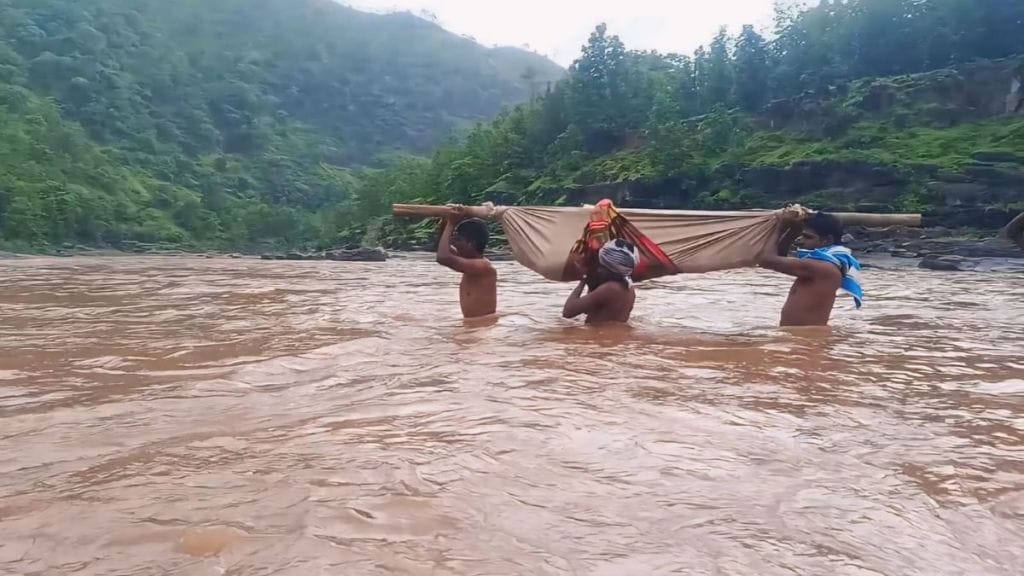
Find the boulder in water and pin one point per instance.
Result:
(947, 263)
(952, 263)
(341, 255)
(357, 255)
(998, 247)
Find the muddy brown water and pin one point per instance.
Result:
(238, 417)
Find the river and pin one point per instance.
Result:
(240, 417)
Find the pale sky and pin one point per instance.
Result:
(558, 28)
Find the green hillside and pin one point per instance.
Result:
(223, 123)
(874, 105)
(246, 123)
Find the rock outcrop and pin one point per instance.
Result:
(939, 249)
(946, 263)
(832, 180)
(984, 192)
(357, 255)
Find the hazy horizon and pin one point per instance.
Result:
(558, 29)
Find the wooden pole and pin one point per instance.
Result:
(424, 211)
(489, 211)
(878, 220)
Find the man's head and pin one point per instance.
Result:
(616, 261)
(819, 231)
(470, 238)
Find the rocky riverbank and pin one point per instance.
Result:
(940, 248)
(339, 255)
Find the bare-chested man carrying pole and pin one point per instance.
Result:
(461, 248)
(822, 267)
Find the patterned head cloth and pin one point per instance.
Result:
(620, 257)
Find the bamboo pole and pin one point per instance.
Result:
(419, 211)
(491, 211)
(878, 220)
(484, 212)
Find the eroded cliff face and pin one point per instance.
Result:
(984, 190)
(939, 99)
(872, 126)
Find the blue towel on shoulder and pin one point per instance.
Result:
(842, 257)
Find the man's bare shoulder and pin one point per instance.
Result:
(610, 291)
(481, 267)
(824, 270)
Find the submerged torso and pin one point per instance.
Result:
(478, 294)
(617, 310)
(811, 300)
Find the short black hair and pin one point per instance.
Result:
(825, 224)
(475, 232)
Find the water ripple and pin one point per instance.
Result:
(178, 416)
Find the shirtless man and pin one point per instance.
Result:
(610, 297)
(461, 248)
(821, 268)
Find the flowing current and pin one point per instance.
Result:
(239, 417)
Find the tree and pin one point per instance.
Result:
(671, 141)
(752, 70)
(884, 40)
(720, 71)
(701, 78)
(681, 84)
(597, 82)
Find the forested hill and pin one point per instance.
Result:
(874, 105)
(225, 122)
(242, 123)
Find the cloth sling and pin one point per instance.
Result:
(670, 242)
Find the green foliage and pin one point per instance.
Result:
(838, 40)
(600, 90)
(697, 123)
(720, 76)
(224, 123)
(752, 70)
(246, 123)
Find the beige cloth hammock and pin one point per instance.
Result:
(541, 238)
(696, 242)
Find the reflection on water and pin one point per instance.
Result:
(176, 416)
